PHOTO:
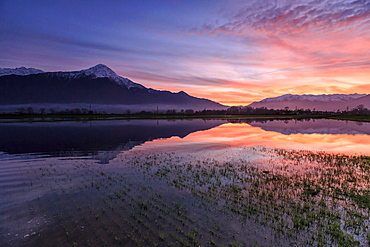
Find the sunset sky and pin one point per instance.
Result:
(234, 52)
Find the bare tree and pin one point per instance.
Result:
(29, 110)
(189, 111)
(360, 107)
(21, 110)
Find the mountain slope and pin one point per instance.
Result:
(96, 85)
(310, 97)
(363, 101)
(333, 102)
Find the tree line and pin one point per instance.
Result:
(234, 110)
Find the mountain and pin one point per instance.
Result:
(310, 97)
(99, 71)
(363, 101)
(19, 71)
(324, 102)
(98, 85)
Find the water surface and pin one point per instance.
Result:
(184, 182)
(88, 138)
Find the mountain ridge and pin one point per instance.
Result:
(311, 97)
(19, 71)
(323, 102)
(96, 85)
(99, 71)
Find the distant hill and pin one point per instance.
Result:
(331, 102)
(98, 85)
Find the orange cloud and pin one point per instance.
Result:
(301, 47)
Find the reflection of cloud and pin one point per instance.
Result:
(244, 135)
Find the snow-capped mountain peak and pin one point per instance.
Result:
(323, 102)
(101, 71)
(19, 71)
(97, 71)
(310, 97)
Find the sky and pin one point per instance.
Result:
(230, 51)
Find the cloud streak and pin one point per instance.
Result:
(300, 45)
(291, 17)
(234, 52)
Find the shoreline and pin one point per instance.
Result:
(16, 118)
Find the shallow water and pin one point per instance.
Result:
(148, 182)
(94, 137)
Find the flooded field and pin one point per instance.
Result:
(185, 183)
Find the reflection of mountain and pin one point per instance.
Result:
(97, 137)
(313, 126)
